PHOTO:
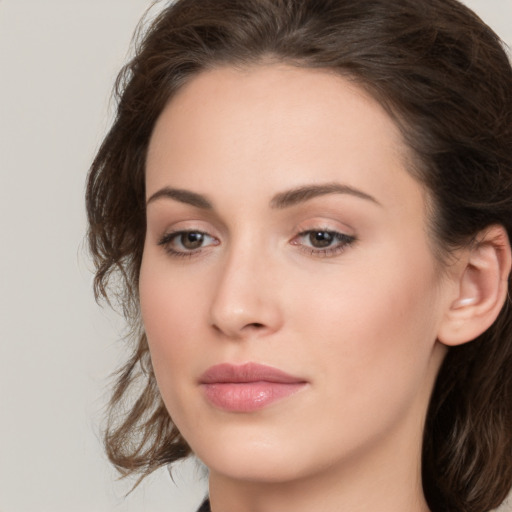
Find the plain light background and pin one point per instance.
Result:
(58, 61)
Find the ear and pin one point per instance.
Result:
(482, 288)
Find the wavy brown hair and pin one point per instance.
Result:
(444, 77)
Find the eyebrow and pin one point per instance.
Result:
(307, 192)
(279, 201)
(183, 196)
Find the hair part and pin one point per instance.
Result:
(446, 80)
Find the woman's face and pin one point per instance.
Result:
(284, 230)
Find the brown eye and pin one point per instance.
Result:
(186, 243)
(321, 239)
(192, 240)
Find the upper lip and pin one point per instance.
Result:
(249, 372)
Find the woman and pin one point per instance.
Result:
(309, 206)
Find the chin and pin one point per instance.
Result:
(259, 460)
(262, 468)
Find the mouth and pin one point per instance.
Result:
(248, 387)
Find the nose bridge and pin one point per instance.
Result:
(244, 302)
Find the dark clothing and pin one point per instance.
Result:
(205, 507)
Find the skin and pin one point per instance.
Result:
(358, 320)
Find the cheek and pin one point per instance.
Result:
(170, 313)
(170, 301)
(370, 331)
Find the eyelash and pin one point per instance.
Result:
(342, 240)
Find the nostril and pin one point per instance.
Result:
(255, 325)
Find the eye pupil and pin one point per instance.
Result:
(320, 238)
(192, 240)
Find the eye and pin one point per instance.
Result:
(323, 242)
(186, 243)
(320, 239)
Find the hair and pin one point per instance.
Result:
(446, 80)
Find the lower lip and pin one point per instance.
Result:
(248, 396)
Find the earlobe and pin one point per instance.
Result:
(482, 288)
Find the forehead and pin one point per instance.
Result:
(277, 126)
(276, 96)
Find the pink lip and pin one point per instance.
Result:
(247, 387)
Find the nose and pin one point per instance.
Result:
(245, 302)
